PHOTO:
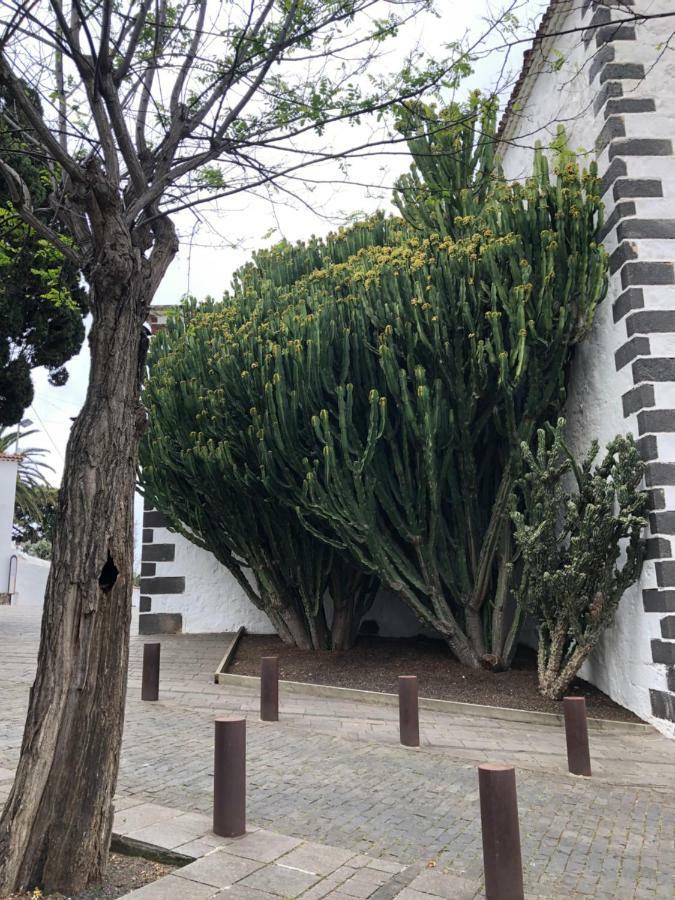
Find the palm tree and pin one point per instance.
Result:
(30, 473)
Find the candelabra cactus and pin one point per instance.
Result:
(421, 366)
(379, 384)
(199, 469)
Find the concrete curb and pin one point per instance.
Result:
(454, 707)
(229, 653)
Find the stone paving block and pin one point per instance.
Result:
(197, 821)
(122, 803)
(410, 894)
(265, 846)
(360, 861)
(218, 869)
(445, 885)
(169, 834)
(371, 875)
(385, 865)
(196, 849)
(280, 881)
(364, 883)
(206, 841)
(172, 888)
(142, 815)
(330, 883)
(323, 888)
(241, 892)
(317, 858)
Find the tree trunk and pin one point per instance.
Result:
(558, 684)
(289, 624)
(318, 629)
(353, 593)
(549, 674)
(56, 826)
(345, 625)
(503, 637)
(473, 624)
(280, 627)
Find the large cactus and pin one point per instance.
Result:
(379, 383)
(391, 394)
(205, 483)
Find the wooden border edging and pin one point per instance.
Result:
(128, 846)
(448, 706)
(221, 668)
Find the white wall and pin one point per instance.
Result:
(394, 618)
(622, 665)
(31, 580)
(8, 469)
(213, 601)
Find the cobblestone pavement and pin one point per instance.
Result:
(333, 772)
(262, 864)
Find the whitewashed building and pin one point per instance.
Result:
(609, 78)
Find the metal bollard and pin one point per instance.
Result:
(576, 735)
(150, 682)
(408, 712)
(501, 833)
(229, 778)
(269, 689)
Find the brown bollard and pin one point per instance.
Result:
(501, 832)
(576, 735)
(229, 778)
(269, 689)
(150, 682)
(408, 713)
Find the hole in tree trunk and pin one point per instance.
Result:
(108, 575)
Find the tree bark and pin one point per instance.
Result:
(56, 826)
(290, 625)
(553, 654)
(344, 627)
(353, 592)
(318, 628)
(503, 638)
(462, 648)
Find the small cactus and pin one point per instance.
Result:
(570, 544)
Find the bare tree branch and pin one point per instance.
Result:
(51, 145)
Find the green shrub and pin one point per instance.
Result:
(42, 548)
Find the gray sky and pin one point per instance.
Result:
(214, 245)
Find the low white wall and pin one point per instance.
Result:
(31, 580)
(8, 468)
